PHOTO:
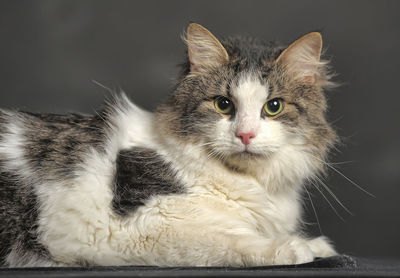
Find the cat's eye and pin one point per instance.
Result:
(273, 107)
(224, 105)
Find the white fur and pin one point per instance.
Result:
(250, 96)
(11, 144)
(225, 218)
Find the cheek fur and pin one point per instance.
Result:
(271, 136)
(222, 137)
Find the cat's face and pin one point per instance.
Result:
(244, 99)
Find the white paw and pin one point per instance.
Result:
(293, 251)
(321, 247)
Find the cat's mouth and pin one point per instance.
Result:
(246, 153)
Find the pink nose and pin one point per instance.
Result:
(245, 137)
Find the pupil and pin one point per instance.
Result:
(224, 104)
(273, 106)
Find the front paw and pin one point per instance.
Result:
(321, 247)
(293, 251)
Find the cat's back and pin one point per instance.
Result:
(60, 174)
(37, 149)
(34, 142)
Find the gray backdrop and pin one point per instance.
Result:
(51, 51)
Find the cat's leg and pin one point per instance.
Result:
(206, 246)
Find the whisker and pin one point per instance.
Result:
(330, 204)
(337, 120)
(340, 162)
(351, 181)
(334, 196)
(315, 212)
(344, 176)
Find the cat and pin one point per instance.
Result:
(213, 177)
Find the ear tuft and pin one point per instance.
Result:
(204, 49)
(302, 60)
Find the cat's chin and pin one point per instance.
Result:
(240, 161)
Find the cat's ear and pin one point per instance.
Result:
(204, 49)
(302, 58)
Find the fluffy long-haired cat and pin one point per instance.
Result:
(214, 177)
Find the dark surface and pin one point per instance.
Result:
(340, 266)
(51, 50)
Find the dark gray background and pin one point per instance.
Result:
(50, 51)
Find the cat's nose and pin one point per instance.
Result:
(245, 137)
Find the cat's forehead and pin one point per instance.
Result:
(249, 87)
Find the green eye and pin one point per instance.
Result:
(273, 107)
(224, 105)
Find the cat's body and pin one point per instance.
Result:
(190, 184)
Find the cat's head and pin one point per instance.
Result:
(242, 99)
